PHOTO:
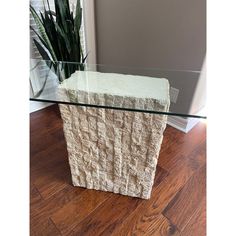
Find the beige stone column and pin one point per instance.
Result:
(113, 150)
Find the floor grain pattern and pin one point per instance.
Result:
(177, 205)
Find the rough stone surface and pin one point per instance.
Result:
(113, 150)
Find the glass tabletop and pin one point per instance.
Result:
(149, 90)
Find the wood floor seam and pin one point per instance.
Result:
(55, 226)
(39, 193)
(91, 212)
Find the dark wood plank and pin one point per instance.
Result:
(45, 129)
(187, 200)
(48, 207)
(45, 228)
(182, 147)
(197, 223)
(35, 196)
(50, 185)
(58, 208)
(52, 159)
(107, 217)
(151, 225)
(161, 196)
(157, 225)
(161, 227)
(161, 174)
(78, 209)
(51, 172)
(197, 156)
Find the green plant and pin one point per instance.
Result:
(59, 37)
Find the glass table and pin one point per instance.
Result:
(183, 86)
(114, 118)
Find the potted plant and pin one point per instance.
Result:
(59, 37)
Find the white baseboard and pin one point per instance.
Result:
(182, 124)
(36, 106)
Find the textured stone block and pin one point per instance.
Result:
(113, 150)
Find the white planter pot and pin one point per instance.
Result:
(114, 150)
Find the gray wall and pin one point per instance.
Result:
(199, 99)
(166, 34)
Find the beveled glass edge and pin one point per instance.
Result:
(118, 108)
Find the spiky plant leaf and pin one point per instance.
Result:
(39, 37)
(51, 31)
(78, 19)
(62, 13)
(64, 36)
(42, 51)
(42, 31)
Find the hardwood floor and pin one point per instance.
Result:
(177, 205)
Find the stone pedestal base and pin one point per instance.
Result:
(113, 150)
